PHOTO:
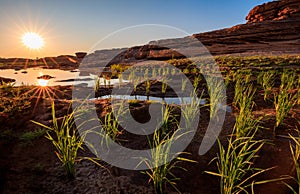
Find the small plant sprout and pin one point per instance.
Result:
(120, 77)
(154, 72)
(164, 85)
(190, 111)
(197, 80)
(148, 85)
(97, 80)
(216, 93)
(184, 82)
(111, 124)
(30, 136)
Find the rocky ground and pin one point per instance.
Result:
(31, 166)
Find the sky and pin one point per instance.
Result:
(77, 25)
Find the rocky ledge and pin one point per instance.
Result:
(271, 28)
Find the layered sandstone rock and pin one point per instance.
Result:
(276, 10)
(272, 28)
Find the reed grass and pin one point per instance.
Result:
(267, 80)
(245, 121)
(284, 100)
(111, 125)
(216, 92)
(66, 140)
(160, 168)
(197, 81)
(97, 81)
(235, 163)
(191, 111)
(183, 85)
(295, 151)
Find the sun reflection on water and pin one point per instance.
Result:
(43, 82)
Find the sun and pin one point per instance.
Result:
(43, 82)
(33, 40)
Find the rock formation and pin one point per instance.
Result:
(276, 10)
(80, 55)
(272, 28)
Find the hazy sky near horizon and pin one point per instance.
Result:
(70, 26)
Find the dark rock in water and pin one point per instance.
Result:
(46, 77)
(6, 80)
(80, 55)
(74, 71)
(71, 80)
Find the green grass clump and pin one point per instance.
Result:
(117, 69)
(267, 79)
(30, 136)
(111, 126)
(13, 100)
(216, 92)
(258, 61)
(159, 164)
(111, 123)
(284, 100)
(235, 162)
(97, 80)
(191, 111)
(160, 168)
(245, 121)
(66, 140)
